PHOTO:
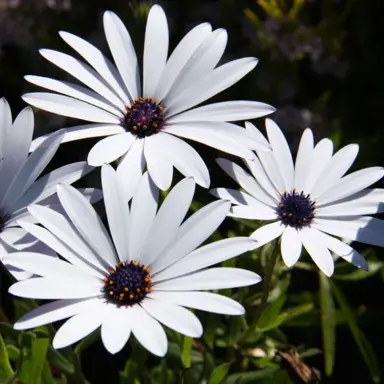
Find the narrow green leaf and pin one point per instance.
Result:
(6, 370)
(360, 274)
(363, 344)
(270, 314)
(219, 374)
(251, 377)
(32, 367)
(57, 359)
(186, 356)
(328, 323)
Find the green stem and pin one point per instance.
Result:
(265, 292)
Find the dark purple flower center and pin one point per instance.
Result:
(144, 117)
(296, 209)
(127, 283)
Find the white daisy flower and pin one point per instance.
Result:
(19, 187)
(147, 125)
(145, 273)
(309, 202)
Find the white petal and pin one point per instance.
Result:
(206, 256)
(54, 311)
(55, 288)
(159, 165)
(317, 250)
(214, 134)
(149, 333)
(143, 212)
(281, 153)
(366, 202)
(234, 196)
(259, 211)
(117, 211)
(131, 168)
(16, 148)
(180, 56)
(343, 250)
(75, 91)
(68, 106)
(267, 233)
(168, 219)
(98, 61)
(256, 133)
(115, 329)
(219, 80)
(184, 158)
(192, 233)
(351, 184)
(62, 249)
(173, 316)
(32, 168)
(213, 278)
(224, 111)
(367, 230)
(290, 246)
(83, 132)
(87, 222)
(205, 301)
(78, 327)
(123, 52)
(336, 169)
(51, 267)
(303, 160)
(5, 123)
(110, 148)
(200, 65)
(46, 185)
(246, 181)
(83, 73)
(272, 170)
(321, 156)
(262, 178)
(155, 49)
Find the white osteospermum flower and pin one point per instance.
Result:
(19, 186)
(145, 273)
(146, 125)
(308, 201)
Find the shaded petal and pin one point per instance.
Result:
(117, 211)
(123, 52)
(204, 301)
(68, 106)
(131, 168)
(87, 222)
(180, 56)
(192, 233)
(317, 250)
(206, 256)
(213, 278)
(143, 212)
(76, 91)
(173, 316)
(54, 311)
(267, 233)
(234, 196)
(258, 211)
(110, 148)
(214, 134)
(220, 79)
(168, 219)
(290, 246)
(303, 160)
(155, 49)
(98, 61)
(336, 169)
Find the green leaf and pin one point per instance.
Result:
(328, 323)
(251, 377)
(219, 374)
(6, 370)
(363, 344)
(186, 356)
(32, 367)
(57, 359)
(360, 274)
(268, 318)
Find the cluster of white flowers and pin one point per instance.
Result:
(150, 265)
